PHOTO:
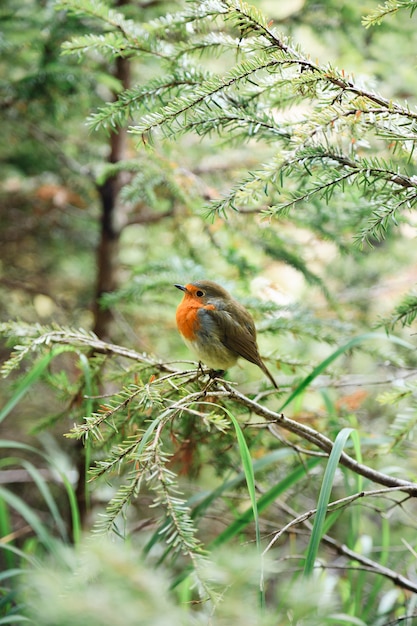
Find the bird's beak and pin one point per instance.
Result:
(181, 287)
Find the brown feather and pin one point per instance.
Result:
(239, 337)
(225, 319)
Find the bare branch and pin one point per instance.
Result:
(318, 439)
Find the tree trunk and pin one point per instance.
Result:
(107, 259)
(108, 247)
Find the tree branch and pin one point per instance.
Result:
(373, 566)
(321, 441)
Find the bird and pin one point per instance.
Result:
(217, 327)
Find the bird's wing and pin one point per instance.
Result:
(240, 338)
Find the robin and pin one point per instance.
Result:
(217, 327)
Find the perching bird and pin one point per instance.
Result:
(217, 327)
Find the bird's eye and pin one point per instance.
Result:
(199, 293)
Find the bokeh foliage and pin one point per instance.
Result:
(287, 173)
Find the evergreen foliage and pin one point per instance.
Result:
(309, 159)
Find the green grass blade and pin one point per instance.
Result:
(324, 498)
(240, 523)
(74, 509)
(358, 454)
(75, 515)
(30, 516)
(199, 503)
(264, 502)
(18, 445)
(250, 481)
(13, 619)
(10, 573)
(205, 500)
(89, 410)
(5, 531)
(248, 471)
(385, 552)
(22, 555)
(332, 357)
(28, 380)
(44, 490)
(145, 437)
(330, 520)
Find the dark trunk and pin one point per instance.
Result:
(107, 258)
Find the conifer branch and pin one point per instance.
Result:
(383, 10)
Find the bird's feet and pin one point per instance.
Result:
(212, 374)
(216, 373)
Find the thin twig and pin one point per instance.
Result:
(321, 441)
(364, 561)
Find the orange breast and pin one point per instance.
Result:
(187, 319)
